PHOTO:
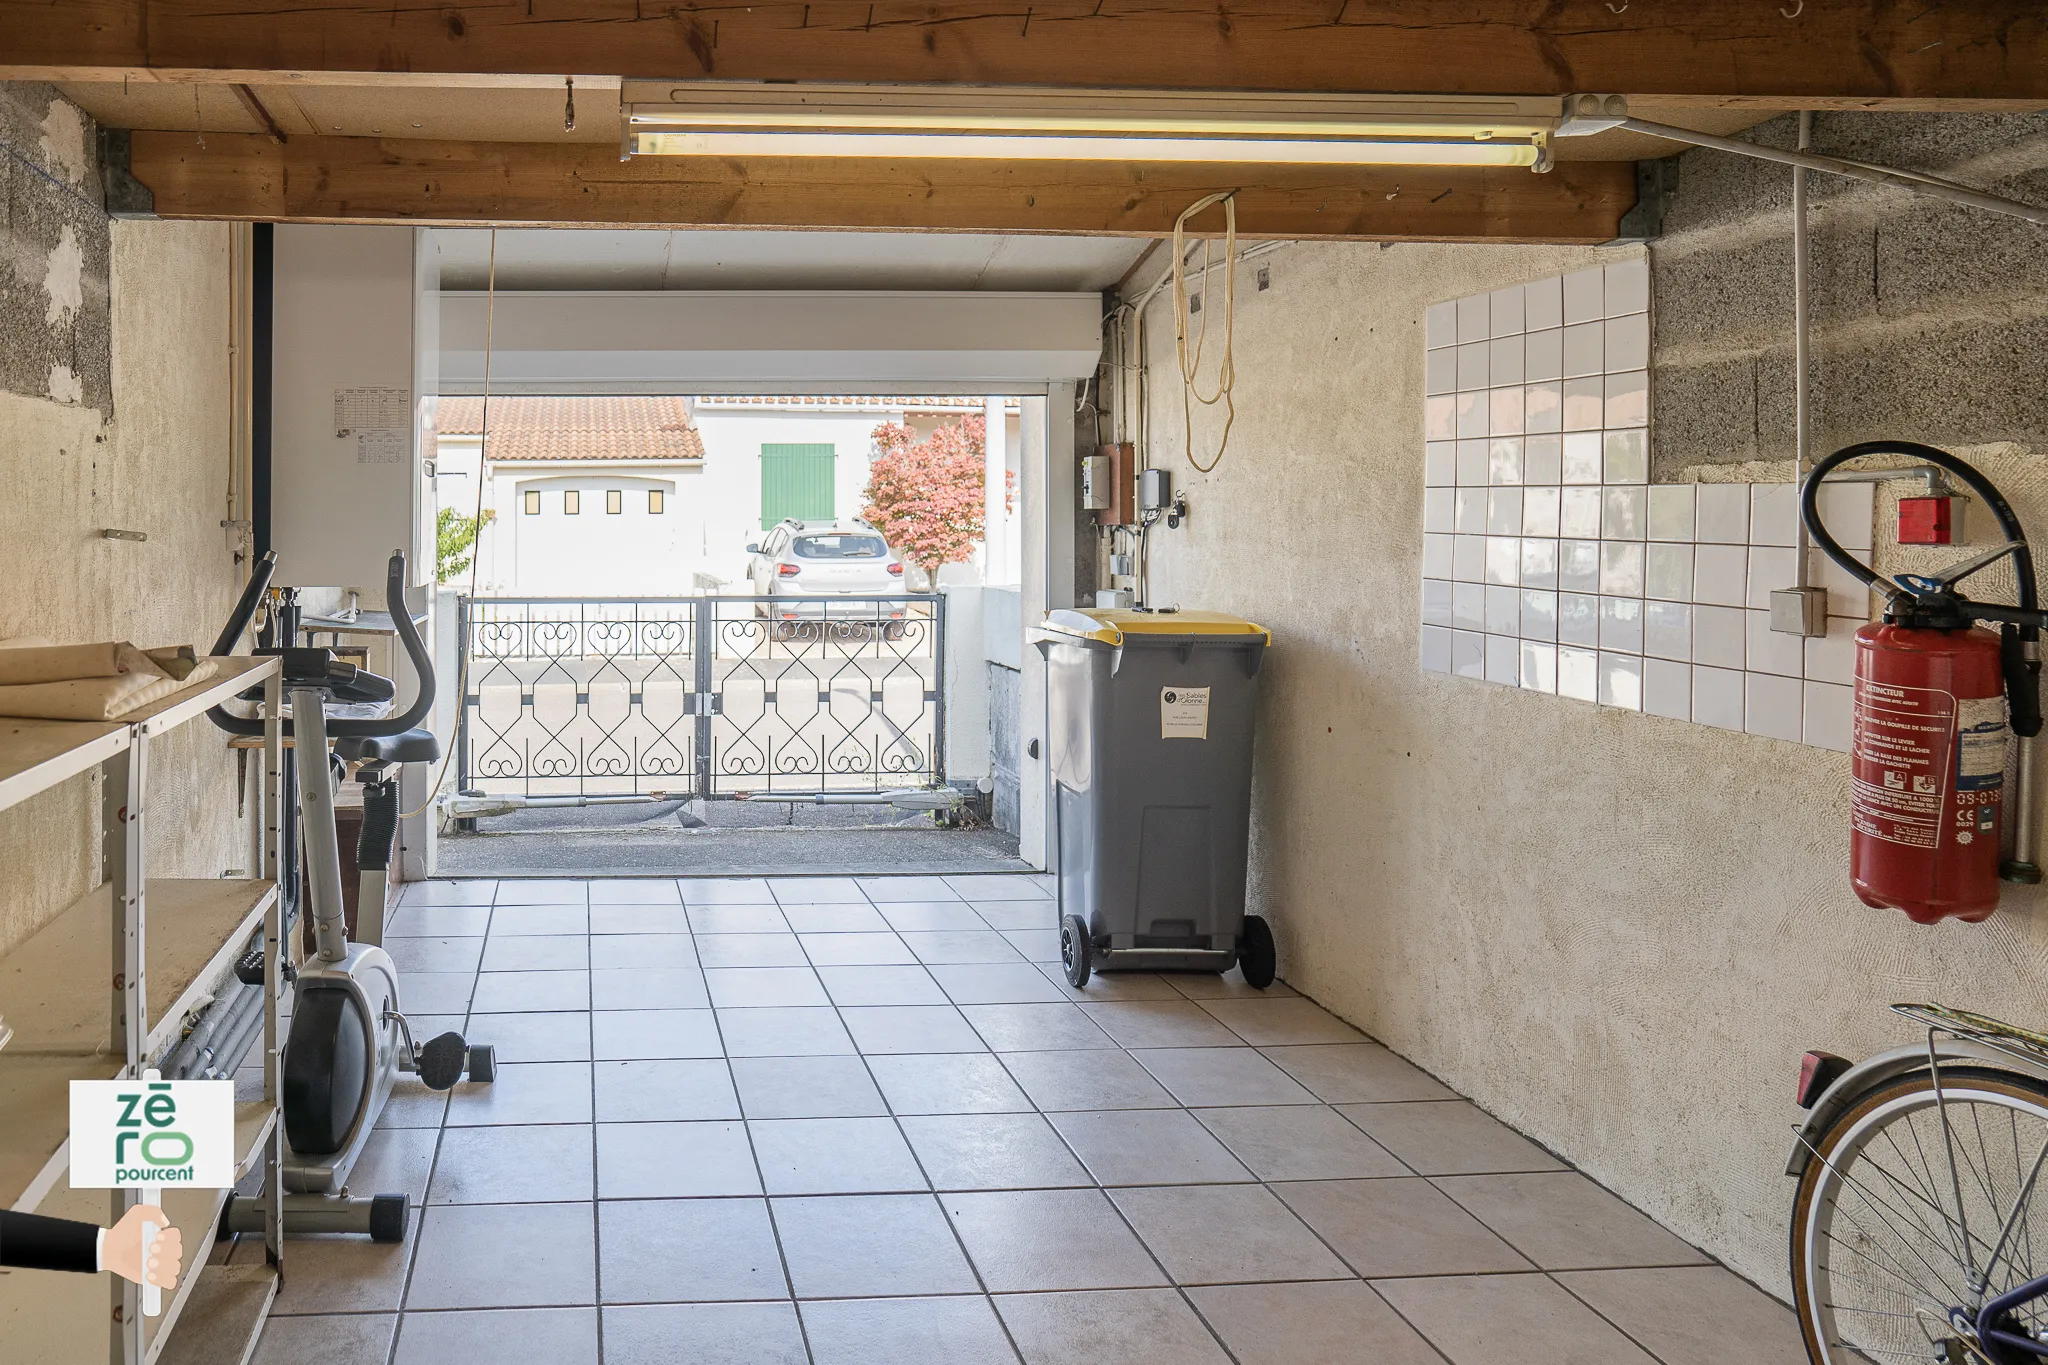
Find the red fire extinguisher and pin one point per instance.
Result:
(1936, 699)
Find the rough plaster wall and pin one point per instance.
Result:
(1613, 930)
(160, 306)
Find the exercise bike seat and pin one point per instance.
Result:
(417, 745)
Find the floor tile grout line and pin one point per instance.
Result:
(1595, 1311)
(896, 1120)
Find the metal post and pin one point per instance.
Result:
(275, 948)
(939, 601)
(1800, 323)
(462, 683)
(703, 644)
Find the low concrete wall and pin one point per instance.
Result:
(1615, 931)
(114, 412)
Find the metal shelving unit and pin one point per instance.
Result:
(100, 993)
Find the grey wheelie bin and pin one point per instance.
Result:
(1150, 735)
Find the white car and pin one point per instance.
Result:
(801, 566)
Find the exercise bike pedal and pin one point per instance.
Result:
(441, 1060)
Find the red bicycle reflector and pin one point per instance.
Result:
(1818, 1071)
(787, 570)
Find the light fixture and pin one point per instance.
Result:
(747, 118)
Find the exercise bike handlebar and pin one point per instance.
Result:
(401, 622)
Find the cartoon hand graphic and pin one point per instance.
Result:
(122, 1253)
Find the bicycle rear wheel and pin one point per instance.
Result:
(1915, 1211)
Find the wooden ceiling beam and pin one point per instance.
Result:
(393, 180)
(1830, 53)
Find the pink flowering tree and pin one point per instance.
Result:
(926, 497)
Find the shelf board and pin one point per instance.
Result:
(194, 1213)
(35, 1095)
(227, 1310)
(36, 755)
(235, 675)
(56, 990)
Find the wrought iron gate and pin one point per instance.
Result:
(701, 696)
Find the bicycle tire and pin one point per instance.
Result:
(1834, 1181)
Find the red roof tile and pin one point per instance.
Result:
(597, 427)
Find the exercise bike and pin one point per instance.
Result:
(349, 1039)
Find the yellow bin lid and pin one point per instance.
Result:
(1110, 625)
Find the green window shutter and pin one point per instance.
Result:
(796, 481)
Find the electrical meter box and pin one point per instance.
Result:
(355, 378)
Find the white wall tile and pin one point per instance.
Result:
(1773, 706)
(1504, 560)
(1720, 574)
(1667, 571)
(1628, 342)
(1539, 667)
(1585, 403)
(1471, 463)
(1667, 688)
(1628, 286)
(1437, 556)
(1468, 606)
(1827, 720)
(1539, 512)
(1585, 296)
(1539, 615)
(1771, 567)
(1468, 511)
(1769, 651)
(1437, 508)
(1773, 513)
(1440, 462)
(1439, 418)
(1474, 318)
(1542, 459)
(1621, 624)
(1628, 399)
(1723, 513)
(1832, 659)
(1506, 311)
(1436, 603)
(1621, 681)
(1503, 610)
(1436, 650)
(1503, 661)
(1504, 460)
(1543, 355)
(1717, 697)
(1625, 512)
(1472, 367)
(1578, 619)
(1468, 562)
(1543, 406)
(1667, 629)
(1718, 636)
(1543, 303)
(1671, 511)
(1581, 457)
(1627, 456)
(1584, 348)
(1579, 513)
(1504, 511)
(1539, 562)
(1578, 565)
(1504, 412)
(1472, 414)
(1847, 596)
(1621, 567)
(1846, 510)
(1440, 324)
(1578, 673)
(1468, 654)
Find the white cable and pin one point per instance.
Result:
(1190, 366)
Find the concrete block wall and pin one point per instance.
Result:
(1614, 930)
(114, 412)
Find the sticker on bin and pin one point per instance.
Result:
(1183, 713)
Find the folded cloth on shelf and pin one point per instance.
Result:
(92, 682)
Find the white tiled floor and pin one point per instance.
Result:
(826, 1120)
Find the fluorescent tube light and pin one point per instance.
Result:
(737, 118)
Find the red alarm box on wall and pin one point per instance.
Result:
(1930, 521)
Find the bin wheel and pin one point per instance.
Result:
(1255, 952)
(1075, 950)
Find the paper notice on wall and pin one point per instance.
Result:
(1183, 713)
(371, 408)
(381, 447)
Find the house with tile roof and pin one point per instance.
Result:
(658, 495)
